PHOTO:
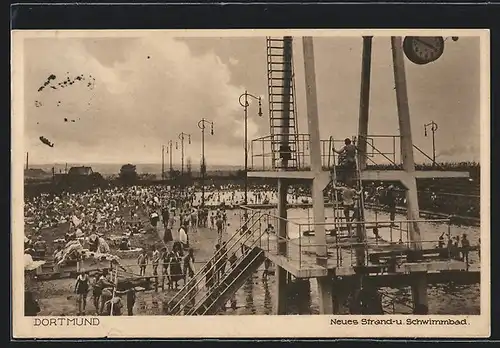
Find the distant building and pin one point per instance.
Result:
(35, 173)
(80, 171)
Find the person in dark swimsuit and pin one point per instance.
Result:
(175, 266)
(82, 289)
(188, 261)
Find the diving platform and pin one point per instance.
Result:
(349, 255)
(390, 254)
(301, 262)
(366, 175)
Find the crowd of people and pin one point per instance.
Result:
(90, 219)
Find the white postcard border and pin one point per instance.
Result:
(238, 326)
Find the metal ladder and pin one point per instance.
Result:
(282, 103)
(337, 215)
(361, 198)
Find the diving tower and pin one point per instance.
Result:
(341, 256)
(320, 175)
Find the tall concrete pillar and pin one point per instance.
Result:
(419, 287)
(324, 284)
(341, 291)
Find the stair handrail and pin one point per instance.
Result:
(395, 300)
(242, 257)
(428, 157)
(330, 150)
(214, 257)
(361, 208)
(213, 260)
(201, 270)
(198, 290)
(194, 308)
(234, 280)
(379, 152)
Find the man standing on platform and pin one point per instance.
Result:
(348, 154)
(348, 196)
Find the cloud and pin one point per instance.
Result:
(147, 90)
(458, 151)
(233, 61)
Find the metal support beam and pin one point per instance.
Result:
(364, 101)
(281, 273)
(400, 175)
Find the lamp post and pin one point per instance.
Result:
(163, 162)
(183, 136)
(433, 127)
(169, 152)
(201, 125)
(245, 106)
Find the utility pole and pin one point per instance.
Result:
(245, 115)
(27, 160)
(169, 151)
(201, 125)
(163, 162)
(182, 136)
(433, 127)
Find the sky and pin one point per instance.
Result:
(137, 93)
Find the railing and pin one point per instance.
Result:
(194, 286)
(390, 301)
(381, 150)
(243, 256)
(215, 278)
(262, 155)
(388, 239)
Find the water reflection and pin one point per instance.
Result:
(268, 305)
(450, 298)
(248, 289)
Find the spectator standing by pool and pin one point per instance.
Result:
(390, 200)
(81, 289)
(465, 249)
(142, 261)
(155, 260)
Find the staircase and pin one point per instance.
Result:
(394, 305)
(206, 292)
(217, 297)
(282, 103)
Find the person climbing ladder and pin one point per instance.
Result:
(347, 160)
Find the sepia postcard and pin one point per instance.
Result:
(250, 183)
